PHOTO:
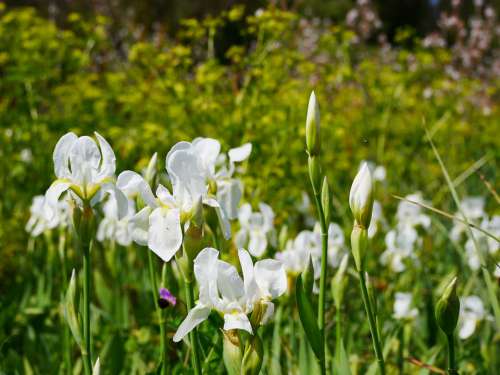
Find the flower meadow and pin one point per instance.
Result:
(312, 203)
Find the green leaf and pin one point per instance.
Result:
(308, 319)
(341, 360)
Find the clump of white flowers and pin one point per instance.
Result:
(403, 239)
(474, 211)
(472, 312)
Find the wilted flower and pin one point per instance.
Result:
(256, 228)
(221, 288)
(403, 306)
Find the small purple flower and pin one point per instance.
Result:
(166, 298)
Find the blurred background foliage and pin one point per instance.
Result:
(149, 77)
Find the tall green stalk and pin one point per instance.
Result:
(193, 335)
(86, 351)
(452, 365)
(377, 346)
(322, 280)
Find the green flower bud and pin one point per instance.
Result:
(193, 238)
(70, 310)
(361, 197)
(339, 281)
(308, 277)
(252, 359)
(231, 352)
(448, 308)
(359, 243)
(325, 200)
(314, 173)
(313, 140)
(150, 173)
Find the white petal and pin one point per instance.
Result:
(271, 277)
(194, 317)
(224, 223)
(268, 215)
(258, 243)
(108, 164)
(165, 234)
(97, 367)
(237, 321)
(61, 155)
(269, 312)
(165, 197)
(229, 282)
(205, 271)
(229, 194)
(122, 203)
(241, 153)
(244, 214)
(187, 177)
(85, 159)
(251, 287)
(361, 190)
(52, 197)
(207, 149)
(467, 327)
(132, 183)
(140, 226)
(183, 145)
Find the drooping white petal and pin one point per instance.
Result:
(194, 317)
(122, 202)
(182, 145)
(52, 196)
(258, 243)
(224, 223)
(268, 215)
(269, 312)
(241, 153)
(132, 183)
(244, 214)
(61, 155)
(270, 277)
(108, 162)
(237, 320)
(241, 238)
(165, 234)
(467, 327)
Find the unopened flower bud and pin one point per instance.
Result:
(339, 281)
(361, 197)
(308, 277)
(359, 242)
(97, 367)
(166, 298)
(325, 200)
(70, 310)
(314, 173)
(313, 140)
(448, 308)
(150, 173)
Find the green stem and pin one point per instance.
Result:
(163, 326)
(86, 352)
(452, 365)
(193, 335)
(371, 320)
(66, 334)
(322, 280)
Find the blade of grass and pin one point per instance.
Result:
(447, 215)
(486, 276)
(490, 188)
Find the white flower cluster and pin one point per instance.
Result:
(473, 209)
(472, 312)
(257, 229)
(307, 244)
(39, 222)
(402, 240)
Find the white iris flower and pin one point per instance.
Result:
(222, 289)
(256, 228)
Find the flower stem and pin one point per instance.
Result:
(163, 327)
(86, 352)
(452, 365)
(193, 335)
(371, 320)
(322, 280)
